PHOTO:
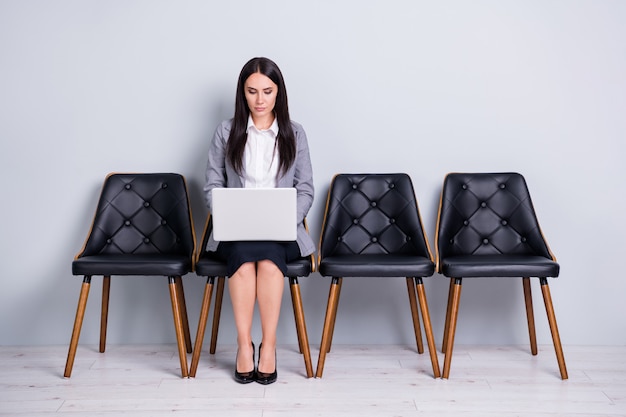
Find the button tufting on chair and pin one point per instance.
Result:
(142, 227)
(502, 238)
(387, 241)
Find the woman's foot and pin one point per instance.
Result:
(265, 364)
(243, 362)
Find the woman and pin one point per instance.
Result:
(260, 147)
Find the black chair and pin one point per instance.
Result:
(372, 228)
(487, 227)
(208, 265)
(142, 227)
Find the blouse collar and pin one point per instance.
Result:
(273, 128)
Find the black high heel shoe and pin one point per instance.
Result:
(245, 377)
(265, 378)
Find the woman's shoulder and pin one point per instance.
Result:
(225, 125)
(297, 127)
(222, 131)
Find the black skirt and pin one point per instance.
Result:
(236, 254)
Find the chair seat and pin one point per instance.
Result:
(210, 266)
(132, 264)
(469, 266)
(299, 268)
(377, 265)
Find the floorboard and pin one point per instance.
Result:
(373, 380)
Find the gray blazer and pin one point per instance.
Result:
(220, 174)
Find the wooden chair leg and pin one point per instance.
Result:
(78, 324)
(428, 329)
(553, 327)
(331, 310)
(104, 315)
(303, 338)
(178, 326)
(204, 315)
(530, 315)
(453, 305)
(410, 283)
(295, 307)
(444, 344)
(183, 312)
(217, 311)
(334, 314)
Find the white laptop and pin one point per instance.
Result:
(254, 214)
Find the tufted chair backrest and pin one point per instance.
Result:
(142, 214)
(488, 214)
(372, 214)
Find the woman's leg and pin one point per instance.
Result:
(242, 289)
(269, 292)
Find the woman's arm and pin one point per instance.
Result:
(216, 164)
(303, 174)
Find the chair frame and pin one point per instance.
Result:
(296, 299)
(454, 297)
(177, 297)
(415, 286)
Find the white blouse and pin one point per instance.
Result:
(260, 156)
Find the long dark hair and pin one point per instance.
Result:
(285, 141)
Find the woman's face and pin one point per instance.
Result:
(261, 94)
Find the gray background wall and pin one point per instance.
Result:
(423, 87)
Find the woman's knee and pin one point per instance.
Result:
(267, 267)
(246, 269)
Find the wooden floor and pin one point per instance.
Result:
(358, 381)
